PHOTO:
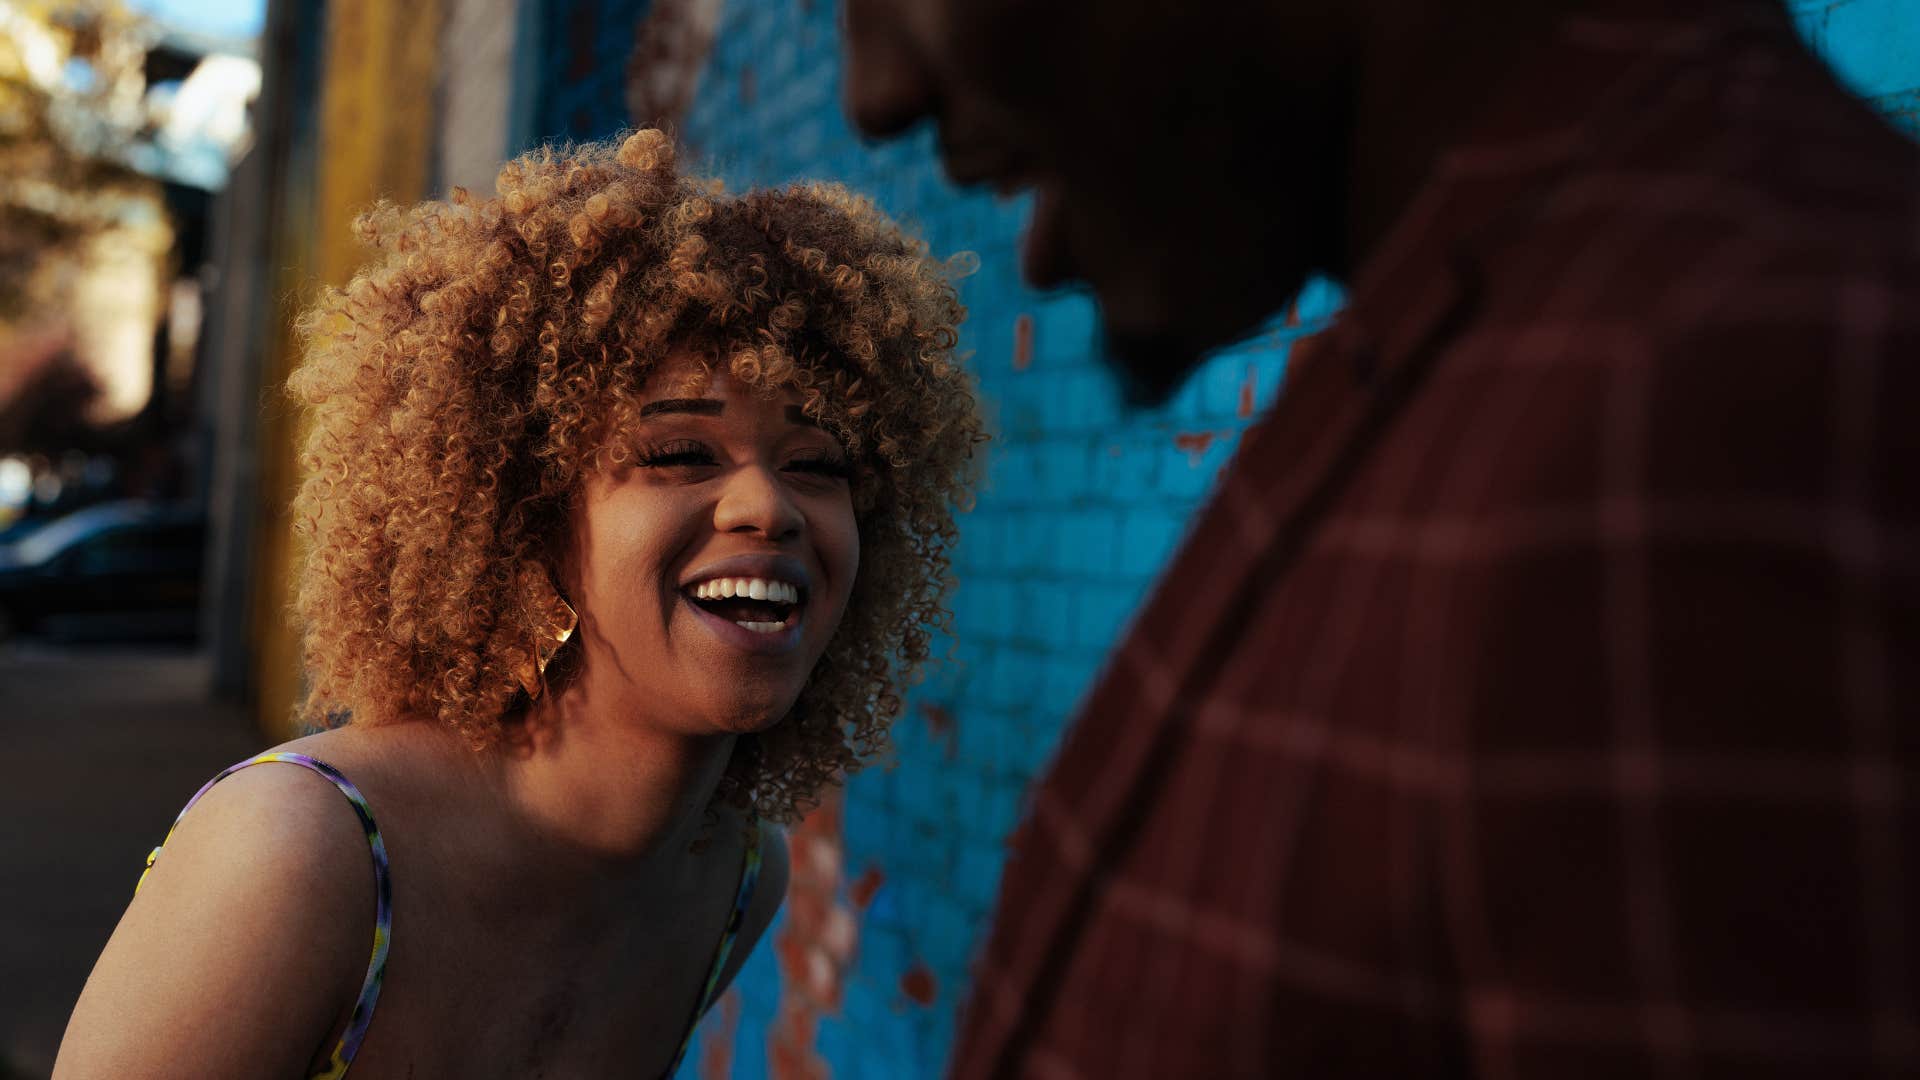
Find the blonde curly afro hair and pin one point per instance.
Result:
(462, 386)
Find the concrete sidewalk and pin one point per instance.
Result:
(102, 746)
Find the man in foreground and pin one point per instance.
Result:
(1535, 696)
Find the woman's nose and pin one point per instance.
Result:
(754, 500)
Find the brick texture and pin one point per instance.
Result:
(1874, 46)
(1083, 503)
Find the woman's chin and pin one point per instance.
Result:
(748, 714)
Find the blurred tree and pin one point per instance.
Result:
(72, 101)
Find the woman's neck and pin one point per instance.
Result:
(595, 784)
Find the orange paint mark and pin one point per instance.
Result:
(919, 985)
(1022, 342)
(716, 1044)
(815, 946)
(788, 1058)
(1194, 444)
(940, 724)
(862, 891)
(1246, 392)
(823, 821)
(1293, 312)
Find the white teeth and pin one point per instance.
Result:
(751, 588)
(763, 627)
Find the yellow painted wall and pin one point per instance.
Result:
(375, 139)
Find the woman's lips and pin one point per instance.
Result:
(751, 641)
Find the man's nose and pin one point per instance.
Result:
(887, 87)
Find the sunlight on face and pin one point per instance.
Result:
(711, 572)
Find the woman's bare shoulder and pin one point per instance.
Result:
(271, 816)
(394, 764)
(246, 938)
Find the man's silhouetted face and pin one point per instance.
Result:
(1185, 157)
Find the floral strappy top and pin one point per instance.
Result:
(356, 1031)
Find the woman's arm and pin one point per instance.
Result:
(245, 947)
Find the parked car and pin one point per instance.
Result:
(120, 569)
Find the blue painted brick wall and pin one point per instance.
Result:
(583, 44)
(1874, 46)
(1083, 500)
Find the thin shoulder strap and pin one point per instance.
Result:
(356, 1031)
(742, 897)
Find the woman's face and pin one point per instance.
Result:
(711, 572)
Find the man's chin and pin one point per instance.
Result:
(1152, 361)
(1151, 366)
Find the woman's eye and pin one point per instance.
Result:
(675, 455)
(823, 465)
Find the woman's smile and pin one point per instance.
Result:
(756, 603)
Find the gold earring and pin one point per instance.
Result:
(561, 621)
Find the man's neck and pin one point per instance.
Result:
(1425, 73)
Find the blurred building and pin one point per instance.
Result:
(893, 880)
(116, 134)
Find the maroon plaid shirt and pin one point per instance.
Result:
(1537, 697)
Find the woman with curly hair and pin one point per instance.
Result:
(628, 504)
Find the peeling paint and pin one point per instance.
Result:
(815, 947)
(940, 724)
(716, 1045)
(1247, 390)
(864, 888)
(790, 1052)
(919, 985)
(1194, 444)
(1022, 342)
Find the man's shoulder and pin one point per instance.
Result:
(1754, 269)
(1722, 327)
(1772, 184)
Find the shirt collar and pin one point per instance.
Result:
(1493, 182)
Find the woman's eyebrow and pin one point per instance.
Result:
(696, 406)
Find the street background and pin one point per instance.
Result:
(101, 743)
(221, 233)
